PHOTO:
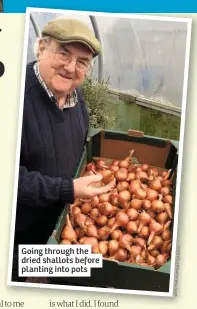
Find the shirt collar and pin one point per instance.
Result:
(71, 99)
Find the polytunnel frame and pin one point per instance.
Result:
(149, 103)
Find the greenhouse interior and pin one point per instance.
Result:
(137, 81)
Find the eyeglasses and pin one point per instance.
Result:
(65, 58)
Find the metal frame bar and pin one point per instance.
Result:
(101, 56)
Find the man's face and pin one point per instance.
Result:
(60, 75)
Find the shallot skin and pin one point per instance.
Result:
(131, 223)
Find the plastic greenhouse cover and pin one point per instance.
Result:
(143, 57)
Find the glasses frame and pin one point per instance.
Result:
(70, 58)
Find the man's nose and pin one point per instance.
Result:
(71, 65)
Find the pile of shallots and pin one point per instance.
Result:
(132, 223)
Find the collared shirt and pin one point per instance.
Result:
(71, 99)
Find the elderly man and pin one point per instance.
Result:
(54, 131)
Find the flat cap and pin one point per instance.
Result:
(66, 30)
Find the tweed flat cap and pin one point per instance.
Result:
(66, 30)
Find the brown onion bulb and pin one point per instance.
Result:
(139, 241)
(156, 243)
(132, 168)
(101, 164)
(122, 220)
(91, 231)
(140, 194)
(135, 251)
(95, 201)
(154, 252)
(131, 176)
(114, 199)
(122, 185)
(132, 214)
(75, 210)
(101, 220)
(168, 209)
(104, 197)
(163, 173)
(123, 198)
(145, 219)
(107, 209)
(145, 232)
(89, 221)
(152, 195)
(91, 166)
(121, 174)
(147, 204)
(155, 229)
(124, 164)
(91, 241)
(125, 241)
(136, 204)
(145, 167)
(108, 176)
(113, 246)
(134, 185)
(166, 234)
(111, 222)
(165, 191)
(150, 259)
(103, 233)
(160, 260)
(120, 255)
(167, 199)
(158, 206)
(153, 171)
(165, 245)
(138, 169)
(103, 247)
(80, 232)
(94, 212)
(80, 220)
(141, 175)
(113, 168)
(115, 162)
(116, 234)
(156, 185)
(162, 217)
(132, 227)
(144, 254)
(85, 208)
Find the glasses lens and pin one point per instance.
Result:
(61, 58)
(65, 60)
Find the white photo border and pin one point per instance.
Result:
(179, 168)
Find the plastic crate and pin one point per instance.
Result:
(120, 275)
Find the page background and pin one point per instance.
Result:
(11, 42)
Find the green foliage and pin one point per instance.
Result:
(96, 97)
(111, 113)
(160, 124)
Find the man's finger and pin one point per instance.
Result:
(104, 189)
(93, 178)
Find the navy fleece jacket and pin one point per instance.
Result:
(51, 146)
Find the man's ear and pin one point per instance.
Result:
(41, 48)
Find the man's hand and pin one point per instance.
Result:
(84, 186)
